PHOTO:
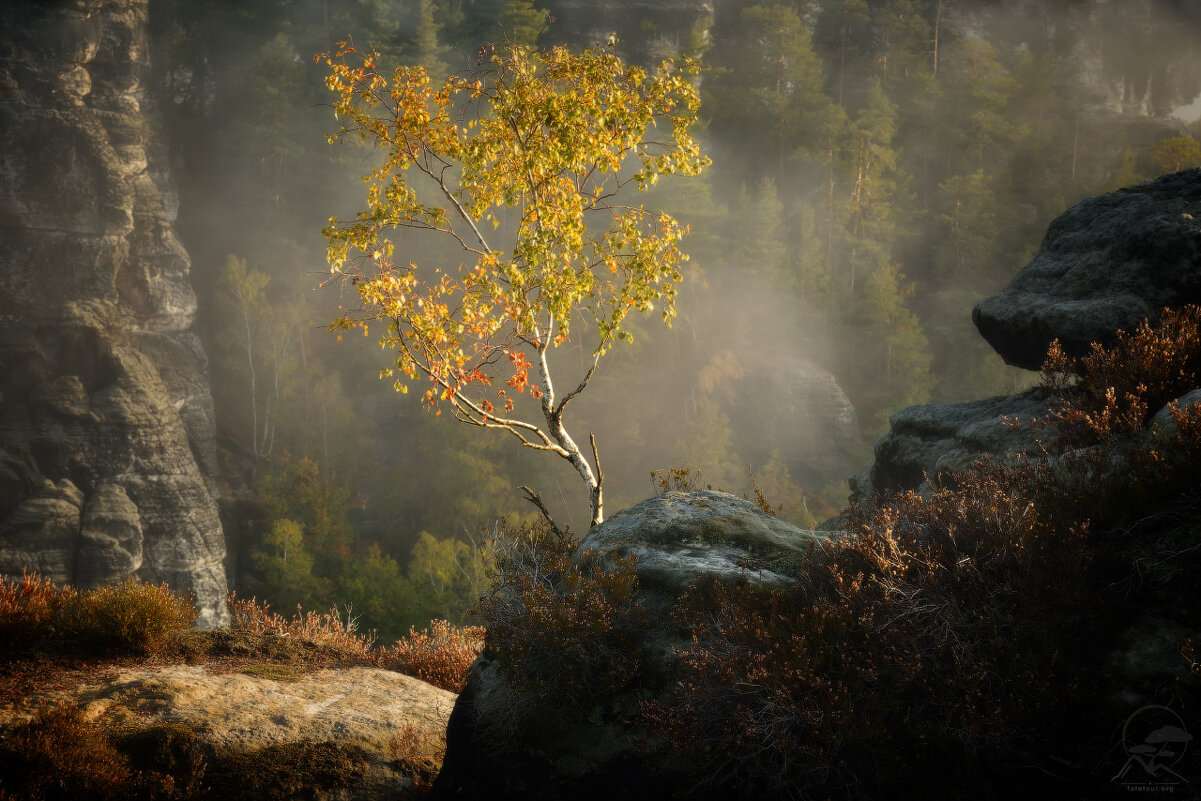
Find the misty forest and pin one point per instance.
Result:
(814, 216)
(878, 168)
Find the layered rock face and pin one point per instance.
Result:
(107, 447)
(809, 420)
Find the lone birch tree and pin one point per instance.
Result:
(541, 150)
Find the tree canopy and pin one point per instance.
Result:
(541, 150)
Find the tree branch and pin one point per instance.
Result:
(583, 383)
(535, 499)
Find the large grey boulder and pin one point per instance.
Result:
(926, 442)
(1106, 264)
(676, 538)
(679, 536)
(107, 443)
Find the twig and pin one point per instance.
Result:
(536, 499)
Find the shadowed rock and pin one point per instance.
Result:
(924, 442)
(676, 538)
(1105, 265)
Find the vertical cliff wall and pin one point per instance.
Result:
(107, 449)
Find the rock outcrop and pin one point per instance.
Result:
(385, 716)
(926, 442)
(107, 446)
(676, 538)
(1106, 264)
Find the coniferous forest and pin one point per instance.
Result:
(878, 167)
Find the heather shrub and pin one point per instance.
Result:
(900, 636)
(440, 654)
(28, 607)
(61, 756)
(419, 755)
(131, 615)
(337, 629)
(563, 629)
(946, 640)
(1113, 390)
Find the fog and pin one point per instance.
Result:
(878, 167)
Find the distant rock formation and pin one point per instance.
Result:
(107, 449)
(1100, 50)
(800, 411)
(1106, 264)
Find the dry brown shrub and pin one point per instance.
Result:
(334, 628)
(440, 654)
(61, 756)
(131, 615)
(419, 754)
(27, 607)
(1112, 391)
(563, 628)
(900, 637)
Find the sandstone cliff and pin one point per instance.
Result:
(107, 449)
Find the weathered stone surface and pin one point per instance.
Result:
(1106, 264)
(679, 536)
(103, 385)
(799, 411)
(234, 712)
(926, 441)
(1162, 425)
(676, 538)
(42, 533)
(111, 538)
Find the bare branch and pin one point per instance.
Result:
(600, 474)
(583, 383)
(535, 499)
(454, 201)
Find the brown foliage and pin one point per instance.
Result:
(562, 627)
(440, 654)
(333, 628)
(1112, 391)
(27, 608)
(61, 756)
(900, 637)
(131, 616)
(419, 755)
